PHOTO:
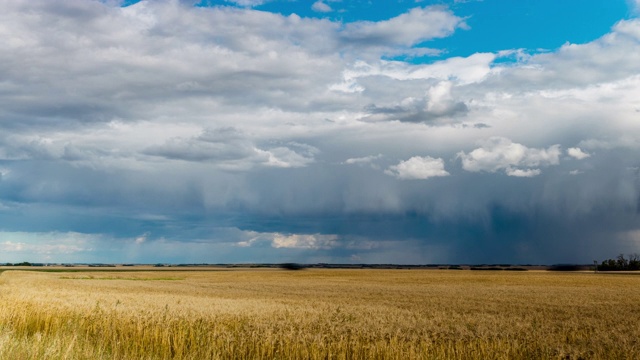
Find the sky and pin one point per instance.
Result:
(268, 131)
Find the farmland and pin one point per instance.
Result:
(318, 314)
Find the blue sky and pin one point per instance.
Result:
(319, 131)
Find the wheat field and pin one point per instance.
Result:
(318, 314)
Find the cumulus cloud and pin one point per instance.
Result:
(577, 153)
(418, 25)
(522, 172)
(498, 153)
(142, 238)
(438, 105)
(321, 6)
(461, 70)
(418, 167)
(440, 99)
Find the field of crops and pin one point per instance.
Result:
(318, 314)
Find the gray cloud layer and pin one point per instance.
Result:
(205, 128)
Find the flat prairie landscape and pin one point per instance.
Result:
(318, 314)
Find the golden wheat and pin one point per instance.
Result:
(318, 314)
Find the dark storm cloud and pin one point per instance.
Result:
(478, 218)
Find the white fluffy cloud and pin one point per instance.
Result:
(321, 6)
(417, 25)
(418, 167)
(522, 172)
(468, 70)
(499, 153)
(577, 153)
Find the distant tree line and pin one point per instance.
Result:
(621, 263)
(24, 263)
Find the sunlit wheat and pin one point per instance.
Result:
(319, 314)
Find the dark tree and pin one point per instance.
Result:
(621, 263)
